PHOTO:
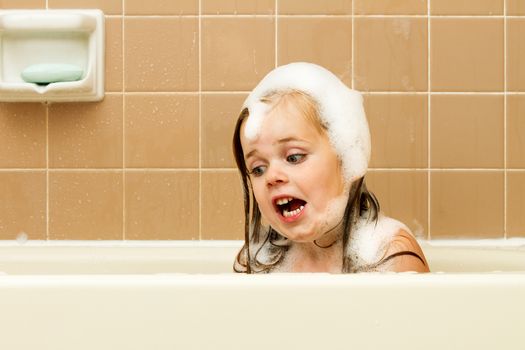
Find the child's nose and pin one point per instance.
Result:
(275, 176)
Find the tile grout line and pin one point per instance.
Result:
(113, 170)
(200, 118)
(429, 134)
(47, 172)
(276, 29)
(326, 16)
(352, 47)
(47, 160)
(124, 216)
(438, 170)
(226, 92)
(505, 183)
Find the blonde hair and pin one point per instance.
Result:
(305, 104)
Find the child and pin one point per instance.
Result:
(302, 147)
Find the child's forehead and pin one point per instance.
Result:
(297, 107)
(281, 125)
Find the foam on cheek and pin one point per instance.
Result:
(334, 212)
(254, 121)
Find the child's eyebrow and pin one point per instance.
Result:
(280, 141)
(251, 153)
(291, 138)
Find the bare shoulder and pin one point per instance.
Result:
(403, 252)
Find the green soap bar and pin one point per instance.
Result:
(46, 73)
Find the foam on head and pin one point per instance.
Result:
(340, 109)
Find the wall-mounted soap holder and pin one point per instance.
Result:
(52, 38)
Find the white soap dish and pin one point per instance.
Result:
(51, 38)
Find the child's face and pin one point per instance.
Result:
(295, 175)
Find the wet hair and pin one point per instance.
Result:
(264, 248)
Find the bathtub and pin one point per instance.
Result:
(183, 295)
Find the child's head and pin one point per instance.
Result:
(301, 144)
(294, 171)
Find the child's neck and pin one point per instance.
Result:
(322, 255)
(308, 257)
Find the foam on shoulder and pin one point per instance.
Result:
(369, 240)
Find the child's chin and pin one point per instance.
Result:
(300, 237)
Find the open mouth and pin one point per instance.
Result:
(289, 207)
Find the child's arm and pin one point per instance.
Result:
(405, 254)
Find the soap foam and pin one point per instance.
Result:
(253, 125)
(22, 237)
(370, 240)
(334, 212)
(340, 108)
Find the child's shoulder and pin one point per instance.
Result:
(370, 236)
(387, 239)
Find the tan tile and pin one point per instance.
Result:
(114, 59)
(85, 205)
(23, 205)
(162, 205)
(162, 131)
(516, 131)
(398, 126)
(466, 204)
(222, 205)
(86, 135)
(315, 7)
(466, 54)
(22, 4)
(391, 54)
(236, 52)
(22, 135)
(467, 131)
(219, 115)
(109, 7)
(402, 195)
(162, 7)
(235, 7)
(515, 54)
(390, 7)
(515, 7)
(516, 204)
(466, 7)
(325, 41)
(161, 54)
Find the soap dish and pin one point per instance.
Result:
(51, 55)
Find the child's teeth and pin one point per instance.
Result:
(288, 214)
(284, 200)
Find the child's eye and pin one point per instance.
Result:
(295, 158)
(257, 171)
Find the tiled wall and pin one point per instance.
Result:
(444, 85)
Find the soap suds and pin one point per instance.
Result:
(253, 125)
(22, 237)
(370, 239)
(340, 108)
(334, 212)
